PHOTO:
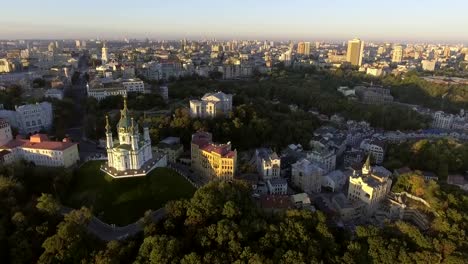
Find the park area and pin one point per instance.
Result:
(123, 201)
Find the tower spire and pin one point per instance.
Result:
(108, 128)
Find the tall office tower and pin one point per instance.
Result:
(300, 48)
(51, 47)
(317, 45)
(77, 43)
(397, 54)
(303, 48)
(104, 54)
(355, 51)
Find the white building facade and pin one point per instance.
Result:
(31, 118)
(132, 154)
(211, 105)
(268, 163)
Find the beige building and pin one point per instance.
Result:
(397, 55)
(43, 152)
(212, 161)
(303, 48)
(5, 66)
(370, 185)
(355, 52)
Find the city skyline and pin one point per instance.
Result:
(296, 20)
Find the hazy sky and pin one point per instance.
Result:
(395, 20)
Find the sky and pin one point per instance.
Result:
(309, 20)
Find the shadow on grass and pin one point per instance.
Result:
(123, 201)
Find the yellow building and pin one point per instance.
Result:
(370, 186)
(303, 48)
(355, 52)
(212, 161)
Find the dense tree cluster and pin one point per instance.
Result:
(222, 224)
(441, 156)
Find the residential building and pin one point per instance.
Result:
(397, 55)
(268, 163)
(43, 152)
(373, 95)
(5, 132)
(348, 210)
(277, 186)
(303, 48)
(370, 185)
(172, 147)
(131, 156)
(307, 175)
(442, 120)
(324, 156)
(54, 93)
(355, 52)
(6, 66)
(211, 105)
(334, 180)
(102, 88)
(212, 161)
(428, 65)
(30, 118)
(134, 85)
(375, 148)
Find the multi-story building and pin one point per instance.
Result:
(373, 95)
(268, 163)
(428, 65)
(355, 52)
(103, 88)
(6, 66)
(375, 148)
(132, 155)
(31, 118)
(43, 152)
(307, 175)
(324, 156)
(303, 48)
(397, 55)
(134, 85)
(277, 186)
(172, 147)
(370, 185)
(442, 120)
(211, 105)
(212, 161)
(5, 132)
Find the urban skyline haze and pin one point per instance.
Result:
(398, 20)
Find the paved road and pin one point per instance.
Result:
(108, 232)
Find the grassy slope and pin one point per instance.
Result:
(123, 201)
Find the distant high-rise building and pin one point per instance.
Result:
(355, 51)
(397, 54)
(77, 43)
(447, 52)
(51, 47)
(104, 57)
(303, 48)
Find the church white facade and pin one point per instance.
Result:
(132, 154)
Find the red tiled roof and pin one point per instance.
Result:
(38, 141)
